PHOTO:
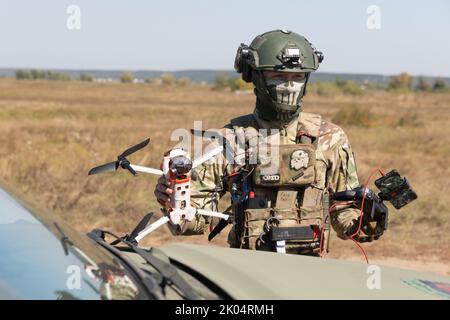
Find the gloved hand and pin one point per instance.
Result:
(369, 231)
(163, 191)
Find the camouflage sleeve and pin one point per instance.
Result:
(207, 187)
(341, 175)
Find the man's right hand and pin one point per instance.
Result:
(163, 191)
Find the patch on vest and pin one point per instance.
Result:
(270, 178)
(299, 160)
(291, 165)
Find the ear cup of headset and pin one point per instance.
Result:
(241, 64)
(246, 72)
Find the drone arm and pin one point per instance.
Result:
(212, 214)
(146, 170)
(149, 229)
(206, 156)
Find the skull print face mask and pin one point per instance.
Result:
(285, 92)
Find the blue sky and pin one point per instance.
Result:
(180, 35)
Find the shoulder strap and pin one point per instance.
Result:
(244, 121)
(308, 128)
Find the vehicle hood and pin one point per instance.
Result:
(41, 257)
(246, 274)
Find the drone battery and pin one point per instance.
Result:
(395, 189)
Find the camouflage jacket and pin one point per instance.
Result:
(335, 168)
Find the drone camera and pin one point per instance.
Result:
(181, 165)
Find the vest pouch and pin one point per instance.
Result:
(295, 217)
(311, 210)
(295, 167)
(286, 217)
(310, 216)
(255, 219)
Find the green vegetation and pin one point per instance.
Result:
(324, 89)
(328, 89)
(168, 79)
(85, 77)
(41, 75)
(126, 77)
(410, 119)
(354, 116)
(349, 87)
(223, 81)
(401, 82)
(439, 85)
(184, 81)
(422, 85)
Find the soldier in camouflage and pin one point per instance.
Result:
(286, 207)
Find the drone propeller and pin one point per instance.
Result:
(135, 148)
(132, 236)
(121, 160)
(140, 226)
(107, 167)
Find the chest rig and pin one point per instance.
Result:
(282, 206)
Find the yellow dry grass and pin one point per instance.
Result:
(52, 133)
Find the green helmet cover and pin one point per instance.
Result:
(281, 51)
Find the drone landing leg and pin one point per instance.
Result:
(212, 214)
(155, 225)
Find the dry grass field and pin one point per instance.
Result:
(52, 133)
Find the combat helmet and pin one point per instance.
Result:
(282, 51)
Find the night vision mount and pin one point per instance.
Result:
(290, 56)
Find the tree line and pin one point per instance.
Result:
(35, 74)
(402, 82)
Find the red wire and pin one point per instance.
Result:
(352, 237)
(362, 202)
(325, 221)
(361, 248)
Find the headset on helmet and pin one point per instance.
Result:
(241, 62)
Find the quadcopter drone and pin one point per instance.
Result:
(177, 167)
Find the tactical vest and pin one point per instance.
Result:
(287, 202)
